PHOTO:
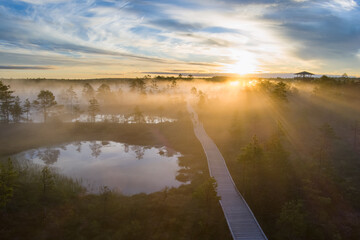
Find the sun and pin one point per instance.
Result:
(245, 63)
(242, 68)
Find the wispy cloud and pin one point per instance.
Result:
(187, 74)
(211, 36)
(26, 67)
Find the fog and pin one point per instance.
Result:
(305, 107)
(291, 146)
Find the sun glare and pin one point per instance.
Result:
(245, 64)
(242, 68)
(234, 83)
(252, 83)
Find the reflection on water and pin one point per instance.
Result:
(119, 118)
(139, 151)
(95, 149)
(129, 169)
(112, 118)
(49, 156)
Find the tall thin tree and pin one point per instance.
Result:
(93, 109)
(44, 101)
(6, 101)
(27, 108)
(17, 110)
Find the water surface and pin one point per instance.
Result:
(121, 118)
(129, 169)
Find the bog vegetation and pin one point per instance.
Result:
(292, 148)
(293, 151)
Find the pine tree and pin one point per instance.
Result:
(88, 91)
(44, 101)
(327, 136)
(280, 91)
(93, 109)
(292, 221)
(8, 176)
(250, 159)
(6, 101)
(154, 85)
(47, 180)
(103, 92)
(17, 110)
(71, 98)
(26, 109)
(138, 115)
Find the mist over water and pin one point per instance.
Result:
(129, 169)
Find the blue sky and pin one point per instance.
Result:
(97, 38)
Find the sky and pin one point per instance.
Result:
(114, 38)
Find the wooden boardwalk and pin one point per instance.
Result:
(241, 220)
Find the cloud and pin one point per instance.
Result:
(337, 5)
(185, 74)
(110, 74)
(26, 67)
(174, 25)
(319, 32)
(205, 36)
(44, 1)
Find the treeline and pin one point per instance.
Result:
(13, 110)
(73, 103)
(343, 80)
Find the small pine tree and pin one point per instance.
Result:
(44, 101)
(103, 92)
(253, 152)
(154, 85)
(47, 180)
(27, 108)
(93, 109)
(292, 221)
(174, 83)
(6, 102)
(250, 157)
(280, 91)
(202, 98)
(138, 115)
(8, 176)
(71, 98)
(193, 91)
(207, 193)
(17, 110)
(327, 136)
(88, 91)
